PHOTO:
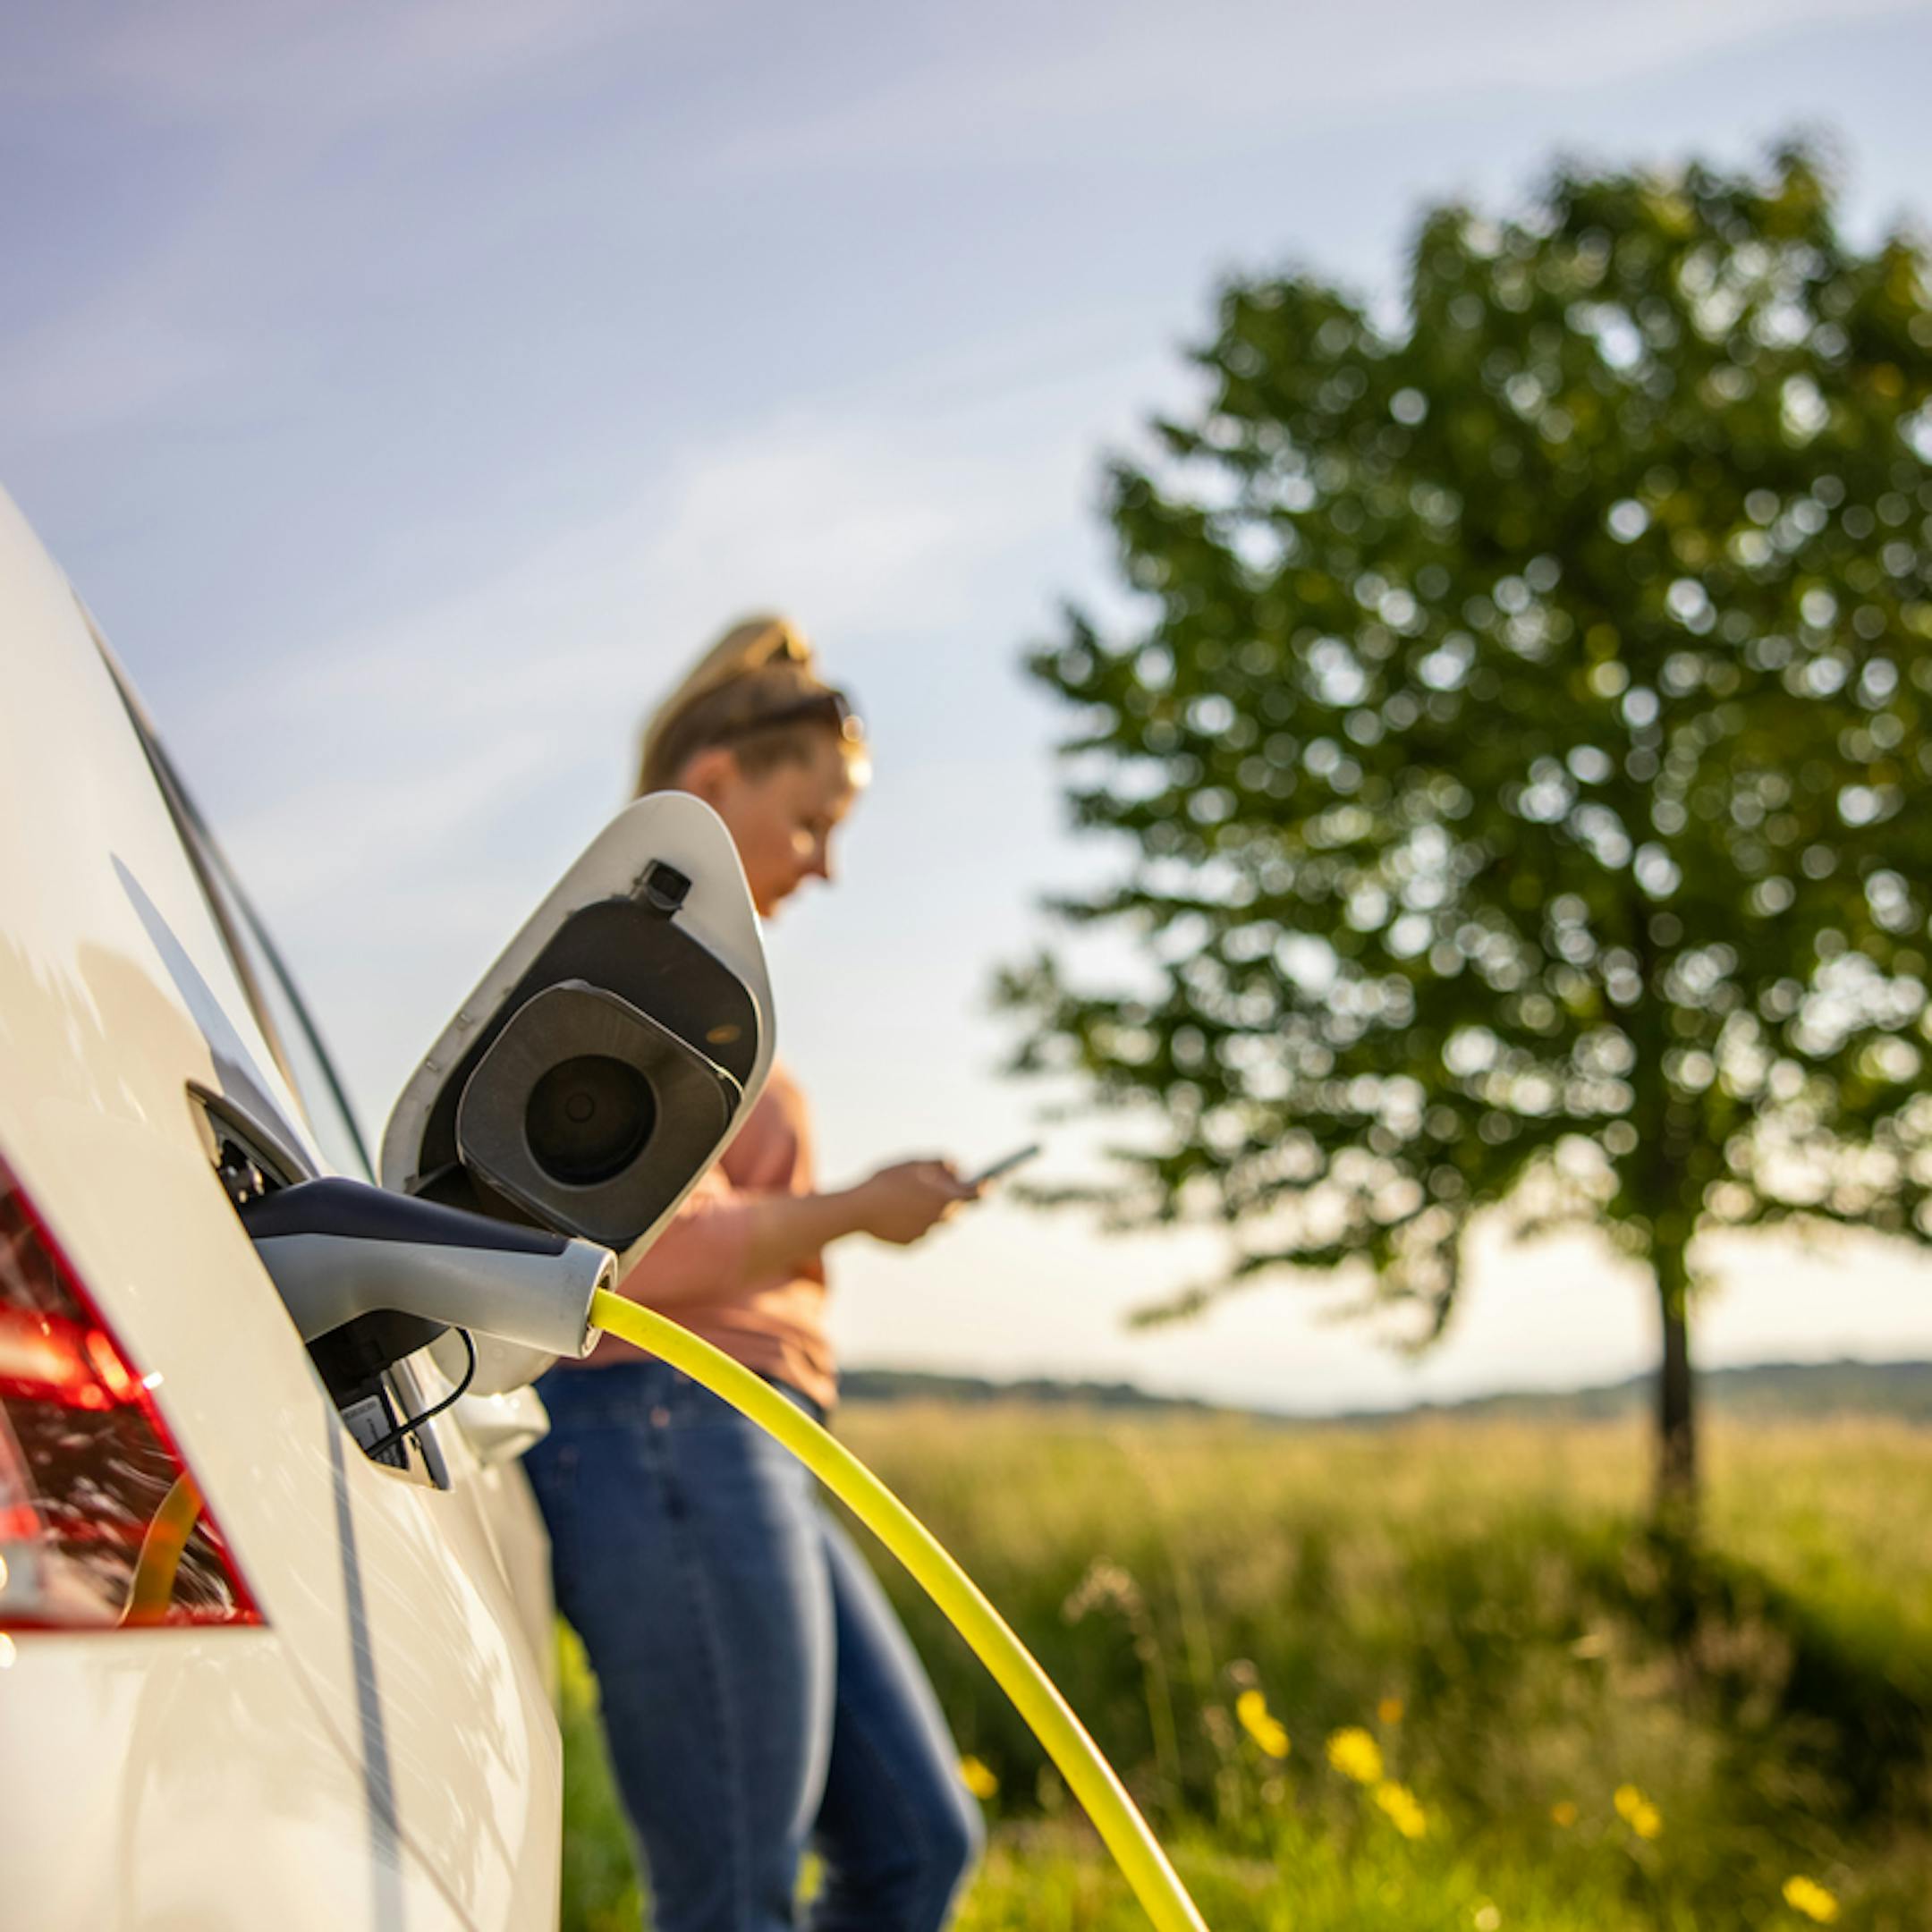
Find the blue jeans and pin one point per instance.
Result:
(759, 1693)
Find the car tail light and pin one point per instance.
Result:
(101, 1524)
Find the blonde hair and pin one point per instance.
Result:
(761, 666)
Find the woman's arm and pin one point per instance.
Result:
(725, 1239)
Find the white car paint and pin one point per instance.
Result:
(380, 1752)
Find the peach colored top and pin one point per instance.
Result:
(694, 1271)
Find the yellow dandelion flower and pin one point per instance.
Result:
(1389, 1710)
(1564, 1812)
(978, 1778)
(1251, 1707)
(1355, 1755)
(1807, 1896)
(1637, 1811)
(1403, 1812)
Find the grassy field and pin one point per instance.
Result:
(1428, 1676)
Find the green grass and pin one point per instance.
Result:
(1480, 1598)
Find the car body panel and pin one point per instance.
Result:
(242, 1800)
(389, 1603)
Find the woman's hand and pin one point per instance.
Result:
(759, 1237)
(901, 1203)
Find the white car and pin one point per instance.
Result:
(251, 1673)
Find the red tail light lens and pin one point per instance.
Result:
(101, 1525)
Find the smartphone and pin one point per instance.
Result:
(1005, 1166)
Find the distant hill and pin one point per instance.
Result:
(914, 1385)
(1765, 1390)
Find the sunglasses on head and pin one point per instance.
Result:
(834, 708)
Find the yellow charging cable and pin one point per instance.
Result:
(166, 1538)
(1092, 1778)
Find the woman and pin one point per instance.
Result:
(759, 1695)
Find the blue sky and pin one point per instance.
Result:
(411, 388)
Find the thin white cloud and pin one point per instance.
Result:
(867, 525)
(304, 64)
(282, 87)
(117, 361)
(1195, 77)
(827, 513)
(181, 322)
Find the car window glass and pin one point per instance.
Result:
(318, 1085)
(278, 1008)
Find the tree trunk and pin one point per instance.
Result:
(1676, 1469)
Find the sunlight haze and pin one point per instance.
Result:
(410, 391)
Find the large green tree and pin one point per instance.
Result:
(1516, 744)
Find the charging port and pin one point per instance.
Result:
(364, 1364)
